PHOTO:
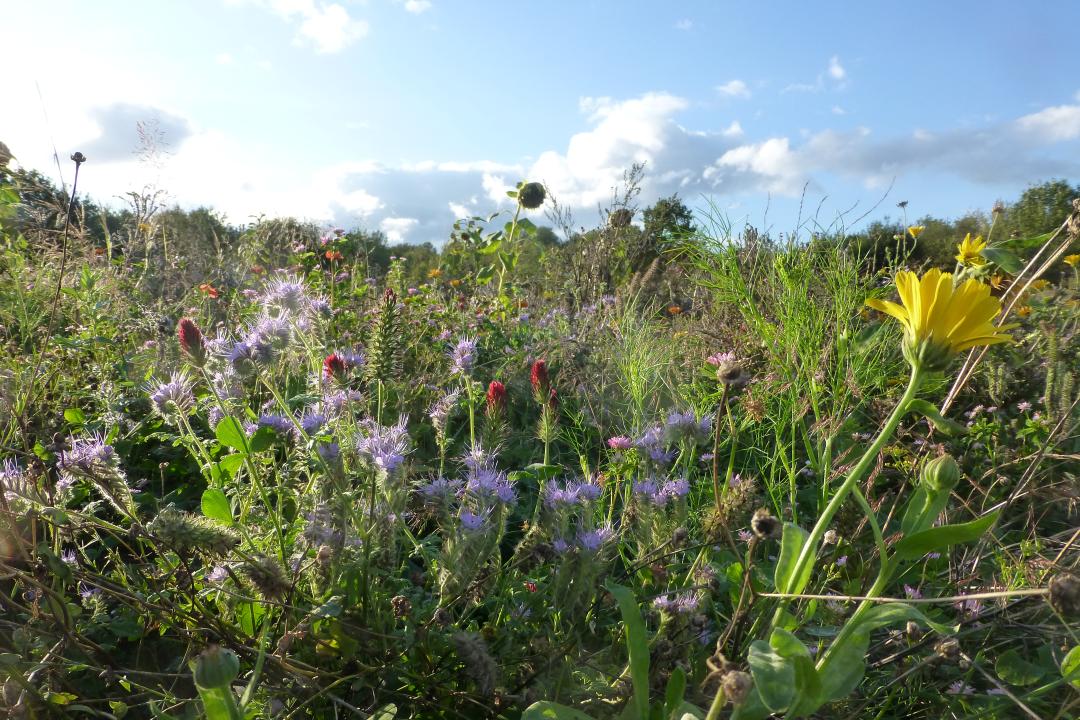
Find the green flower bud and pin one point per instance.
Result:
(941, 474)
(215, 668)
(531, 195)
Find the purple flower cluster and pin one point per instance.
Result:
(677, 603)
(280, 424)
(174, 396)
(592, 540)
(383, 446)
(463, 356)
(682, 426)
(570, 494)
(652, 443)
(660, 493)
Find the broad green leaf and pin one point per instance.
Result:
(386, 712)
(230, 433)
(935, 539)
(807, 697)
(219, 704)
(248, 615)
(1015, 670)
(774, 676)
(231, 463)
(491, 248)
(791, 544)
(483, 277)
(637, 645)
(1003, 258)
(261, 439)
(544, 472)
(545, 710)
(1070, 667)
(215, 505)
(675, 691)
(842, 670)
(941, 423)
(75, 416)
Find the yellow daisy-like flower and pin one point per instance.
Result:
(1072, 260)
(434, 273)
(969, 252)
(1039, 285)
(941, 320)
(997, 281)
(1023, 310)
(916, 230)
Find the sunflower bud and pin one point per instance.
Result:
(531, 195)
(215, 668)
(940, 474)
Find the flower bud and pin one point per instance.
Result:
(192, 342)
(531, 195)
(334, 367)
(215, 668)
(496, 397)
(538, 376)
(764, 525)
(940, 474)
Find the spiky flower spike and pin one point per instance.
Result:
(384, 349)
(192, 342)
(182, 531)
(541, 385)
(496, 398)
(267, 575)
(940, 320)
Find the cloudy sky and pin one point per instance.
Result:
(404, 114)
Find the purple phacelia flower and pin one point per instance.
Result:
(312, 422)
(278, 423)
(174, 396)
(463, 356)
(384, 447)
(471, 522)
(593, 540)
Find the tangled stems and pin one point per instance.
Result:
(808, 553)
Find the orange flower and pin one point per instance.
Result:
(455, 282)
(332, 255)
(674, 310)
(210, 291)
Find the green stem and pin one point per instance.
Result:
(809, 550)
(717, 705)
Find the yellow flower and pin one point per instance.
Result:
(1040, 284)
(434, 273)
(997, 281)
(941, 320)
(1072, 260)
(916, 230)
(969, 252)
(1023, 310)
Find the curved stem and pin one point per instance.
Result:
(809, 550)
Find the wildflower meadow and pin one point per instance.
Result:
(662, 469)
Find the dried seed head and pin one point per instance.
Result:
(948, 649)
(441, 617)
(324, 554)
(480, 667)
(737, 686)
(401, 606)
(732, 374)
(680, 536)
(764, 525)
(1065, 595)
(620, 218)
(912, 631)
(831, 538)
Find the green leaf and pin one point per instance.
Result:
(248, 615)
(386, 712)
(261, 439)
(215, 505)
(231, 463)
(791, 544)
(491, 248)
(1015, 670)
(544, 472)
(847, 660)
(75, 416)
(1070, 667)
(637, 645)
(675, 691)
(483, 277)
(940, 422)
(546, 710)
(1003, 258)
(807, 685)
(774, 676)
(230, 433)
(919, 544)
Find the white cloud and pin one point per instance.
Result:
(733, 130)
(685, 25)
(327, 27)
(224, 59)
(837, 110)
(836, 70)
(417, 7)
(397, 229)
(734, 88)
(1052, 124)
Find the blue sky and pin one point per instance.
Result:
(404, 114)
